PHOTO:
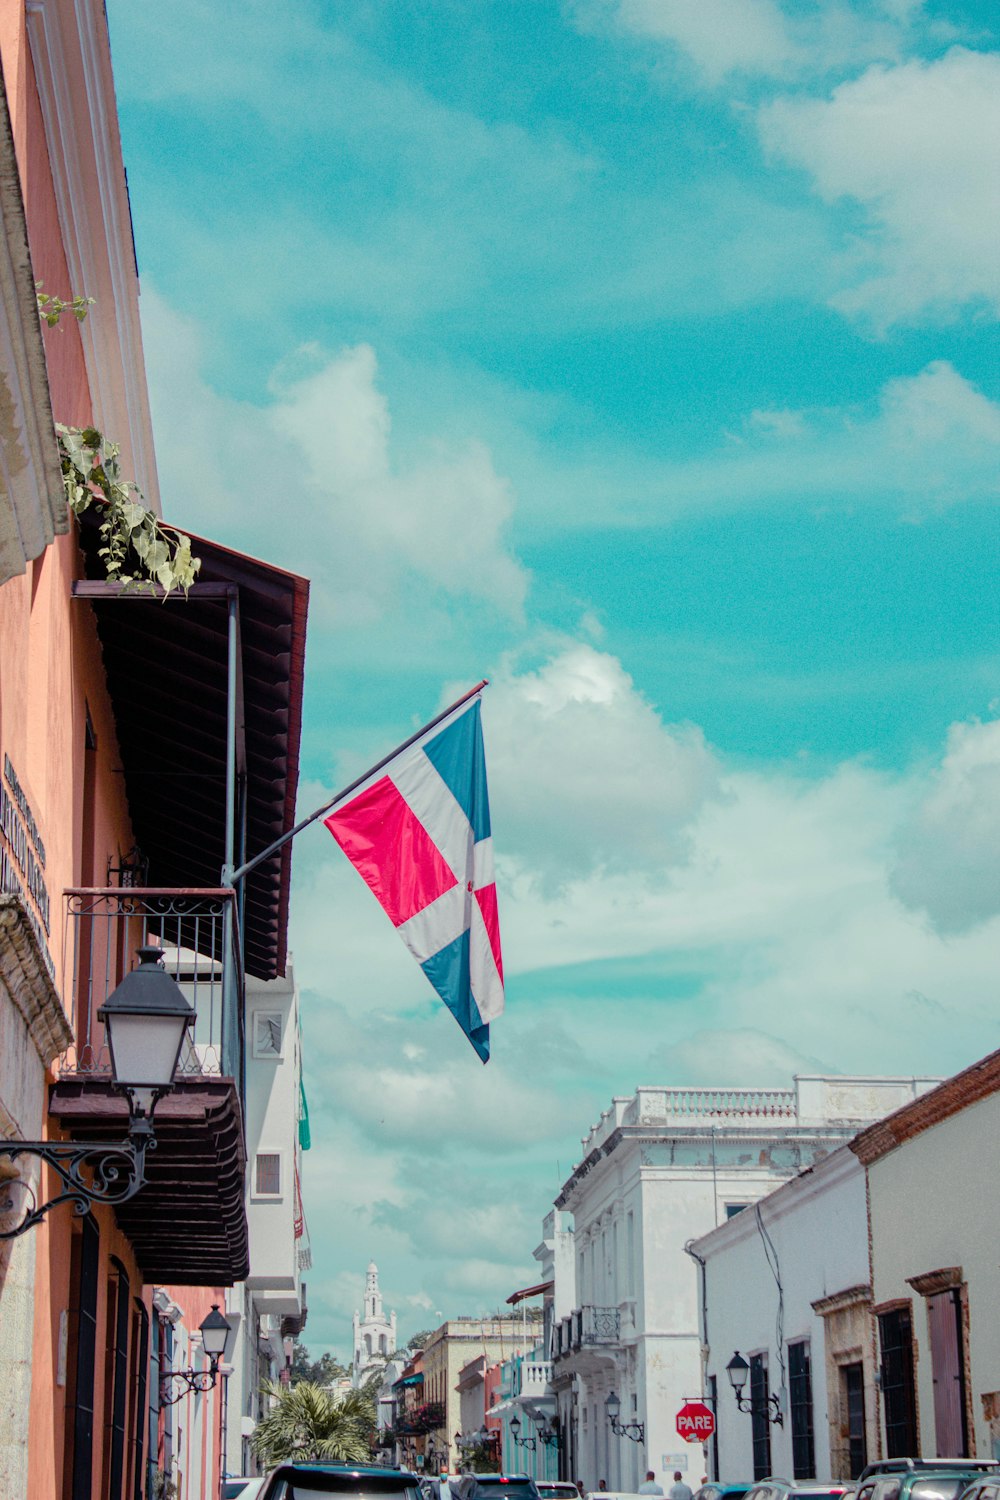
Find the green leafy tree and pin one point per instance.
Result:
(313, 1425)
(322, 1371)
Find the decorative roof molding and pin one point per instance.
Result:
(932, 1282)
(852, 1296)
(26, 980)
(972, 1085)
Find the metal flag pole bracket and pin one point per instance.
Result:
(230, 877)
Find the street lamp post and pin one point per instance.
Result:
(215, 1330)
(634, 1430)
(769, 1407)
(146, 1020)
(515, 1432)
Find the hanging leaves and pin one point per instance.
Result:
(129, 531)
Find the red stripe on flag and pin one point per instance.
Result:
(487, 899)
(391, 850)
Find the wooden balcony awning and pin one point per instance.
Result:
(188, 1225)
(167, 674)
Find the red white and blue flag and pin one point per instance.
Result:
(419, 836)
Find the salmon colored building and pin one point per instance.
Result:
(144, 746)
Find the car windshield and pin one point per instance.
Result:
(939, 1487)
(308, 1486)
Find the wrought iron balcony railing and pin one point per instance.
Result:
(198, 931)
(585, 1326)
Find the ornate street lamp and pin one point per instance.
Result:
(515, 1432)
(738, 1370)
(215, 1330)
(634, 1430)
(548, 1432)
(146, 1020)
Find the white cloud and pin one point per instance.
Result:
(312, 481)
(719, 36)
(918, 146)
(949, 848)
(745, 1058)
(762, 39)
(584, 772)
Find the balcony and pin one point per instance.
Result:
(188, 1224)
(531, 1378)
(587, 1326)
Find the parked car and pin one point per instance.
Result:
(935, 1465)
(922, 1481)
(246, 1487)
(494, 1487)
(557, 1489)
(716, 1490)
(771, 1488)
(299, 1481)
(985, 1488)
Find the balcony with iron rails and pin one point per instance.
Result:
(585, 1328)
(188, 1224)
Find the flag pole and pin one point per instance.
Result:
(251, 864)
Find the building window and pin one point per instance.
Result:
(267, 1174)
(852, 1405)
(630, 1251)
(732, 1209)
(801, 1409)
(267, 1033)
(895, 1331)
(760, 1426)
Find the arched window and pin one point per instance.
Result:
(368, 1342)
(383, 1347)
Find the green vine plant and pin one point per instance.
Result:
(51, 308)
(92, 476)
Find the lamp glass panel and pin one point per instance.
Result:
(213, 1340)
(145, 1049)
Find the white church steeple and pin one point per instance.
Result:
(374, 1333)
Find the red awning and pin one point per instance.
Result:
(530, 1291)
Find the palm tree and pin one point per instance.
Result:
(313, 1425)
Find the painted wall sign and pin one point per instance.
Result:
(22, 858)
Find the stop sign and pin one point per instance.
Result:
(695, 1422)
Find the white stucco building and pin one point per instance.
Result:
(658, 1170)
(374, 1333)
(935, 1270)
(797, 1262)
(270, 1306)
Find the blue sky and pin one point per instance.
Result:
(642, 356)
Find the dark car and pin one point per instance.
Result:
(494, 1487)
(299, 1481)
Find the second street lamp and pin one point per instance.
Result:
(762, 1406)
(146, 1019)
(636, 1431)
(215, 1330)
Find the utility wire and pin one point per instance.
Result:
(771, 1256)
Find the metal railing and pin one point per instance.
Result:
(198, 932)
(709, 1103)
(585, 1326)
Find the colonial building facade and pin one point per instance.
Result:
(659, 1169)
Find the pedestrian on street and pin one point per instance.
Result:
(679, 1490)
(579, 1486)
(650, 1487)
(602, 1484)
